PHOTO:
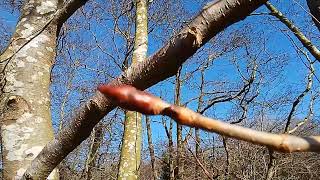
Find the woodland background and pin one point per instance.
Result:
(255, 73)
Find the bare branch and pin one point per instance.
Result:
(128, 97)
(67, 10)
(200, 164)
(302, 38)
(299, 98)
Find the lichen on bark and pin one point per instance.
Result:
(25, 79)
(132, 137)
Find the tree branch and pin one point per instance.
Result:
(302, 38)
(68, 10)
(130, 98)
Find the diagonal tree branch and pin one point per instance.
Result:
(302, 38)
(130, 98)
(213, 18)
(67, 10)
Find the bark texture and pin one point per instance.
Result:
(24, 80)
(212, 19)
(196, 130)
(171, 151)
(132, 137)
(128, 97)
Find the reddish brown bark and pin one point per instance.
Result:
(184, 116)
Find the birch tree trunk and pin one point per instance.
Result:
(180, 147)
(24, 80)
(132, 137)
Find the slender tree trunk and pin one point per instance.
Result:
(131, 147)
(132, 137)
(171, 151)
(25, 68)
(93, 151)
(198, 153)
(212, 159)
(180, 147)
(170, 160)
(151, 148)
(197, 132)
(271, 165)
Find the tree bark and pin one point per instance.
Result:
(132, 138)
(94, 150)
(302, 38)
(25, 97)
(171, 151)
(128, 97)
(196, 130)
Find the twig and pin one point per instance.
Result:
(132, 99)
(302, 38)
(201, 165)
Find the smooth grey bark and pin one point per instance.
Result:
(213, 18)
(25, 67)
(25, 79)
(130, 158)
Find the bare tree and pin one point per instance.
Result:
(98, 43)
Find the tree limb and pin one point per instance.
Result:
(130, 98)
(302, 38)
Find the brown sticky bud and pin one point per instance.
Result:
(132, 99)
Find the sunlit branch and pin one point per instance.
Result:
(132, 99)
(302, 38)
